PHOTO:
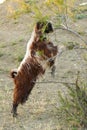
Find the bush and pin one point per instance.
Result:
(73, 108)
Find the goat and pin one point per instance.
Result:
(31, 66)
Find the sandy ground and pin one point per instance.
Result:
(39, 112)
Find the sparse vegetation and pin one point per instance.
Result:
(85, 56)
(70, 45)
(39, 112)
(20, 58)
(1, 54)
(81, 16)
(73, 106)
(20, 8)
(14, 43)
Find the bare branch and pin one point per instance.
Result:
(63, 27)
(45, 82)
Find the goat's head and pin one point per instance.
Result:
(44, 27)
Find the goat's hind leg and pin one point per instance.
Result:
(14, 110)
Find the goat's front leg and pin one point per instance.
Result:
(53, 70)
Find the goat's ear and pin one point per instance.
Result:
(38, 24)
(48, 28)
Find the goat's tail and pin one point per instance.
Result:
(13, 73)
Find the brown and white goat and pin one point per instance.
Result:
(31, 66)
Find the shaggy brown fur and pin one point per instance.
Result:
(42, 44)
(25, 80)
(31, 67)
(48, 54)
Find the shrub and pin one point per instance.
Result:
(73, 108)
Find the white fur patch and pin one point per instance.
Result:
(28, 50)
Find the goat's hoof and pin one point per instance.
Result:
(53, 74)
(15, 114)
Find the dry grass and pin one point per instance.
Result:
(39, 112)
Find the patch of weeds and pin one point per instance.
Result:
(4, 70)
(1, 70)
(70, 45)
(19, 59)
(16, 14)
(31, 1)
(81, 33)
(85, 57)
(21, 39)
(15, 22)
(69, 73)
(83, 8)
(19, 55)
(73, 106)
(81, 16)
(1, 54)
(14, 43)
(22, 7)
(3, 45)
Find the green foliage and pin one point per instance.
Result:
(70, 45)
(82, 8)
(20, 58)
(85, 56)
(14, 43)
(20, 8)
(73, 107)
(58, 10)
(38, 13)
(81, 16)
(40, 53)
(62, 9)
(1, 54)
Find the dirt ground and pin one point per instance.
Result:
(39, 112)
